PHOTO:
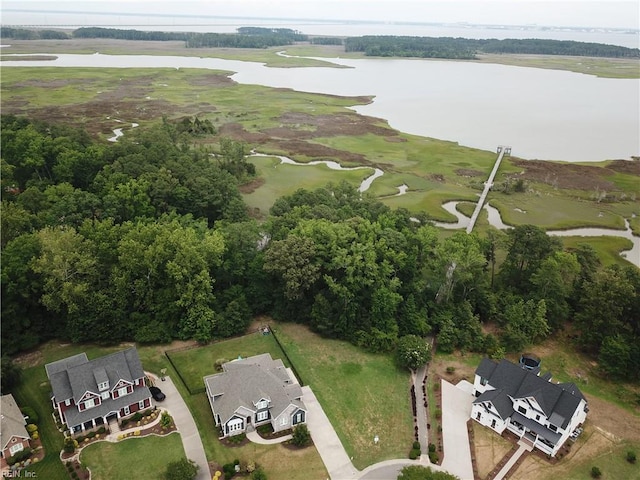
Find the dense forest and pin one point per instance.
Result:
(370, 45)
(149, 240)
(466, 48)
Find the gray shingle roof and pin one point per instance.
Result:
(558, 401)
(499, 399)
(75, 417)
(243, 383)
(12, 422)
(71, 377)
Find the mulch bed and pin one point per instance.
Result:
(232, 444)
(290, 446)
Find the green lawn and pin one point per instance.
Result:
(362, 394)
(195, 363)
(146, 457)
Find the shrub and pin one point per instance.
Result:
(595, 472)
(416, 445)
(32, 416)
(631, 456)
(433, 457)
(20, 456)
(166, 420)
(91, 434)
(218, 364)
(35, 435)
(184, 469)
(229, 470)
(301, 436)
(70, 445)
(432, 448)
(414, 453)
(102, 430)
(450, 370)
(237, 438)
(251, 466)
(74, 475)
(32, 428)
(258, 474)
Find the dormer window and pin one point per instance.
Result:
(103, 386)
(483, 381)
(262, 404)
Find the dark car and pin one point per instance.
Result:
(157, 394)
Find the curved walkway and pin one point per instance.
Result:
(256, 438)
(183, 419)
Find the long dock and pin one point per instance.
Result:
(502, 151)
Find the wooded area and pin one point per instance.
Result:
(149, 240)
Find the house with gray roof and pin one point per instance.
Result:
(87, 393)
(255, 391)
(540, 412)
(13, 434)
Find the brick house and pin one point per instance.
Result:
(87, 393)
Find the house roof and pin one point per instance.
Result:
(243, 383)
(499, 399)
(72, 377)
(111, 405)
(558, 401)
(11, 421)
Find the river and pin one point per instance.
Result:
(495, 220)
(542, 114)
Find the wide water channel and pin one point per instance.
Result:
(544, 114)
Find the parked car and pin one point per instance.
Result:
(157, 394)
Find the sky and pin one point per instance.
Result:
(570, 13)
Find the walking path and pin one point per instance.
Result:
(524, 447)
(255, 437)
(183, 419)
(421, 410)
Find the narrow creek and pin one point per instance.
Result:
(495, 220)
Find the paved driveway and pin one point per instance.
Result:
(186, 426)
(329, 447)
(456, 409)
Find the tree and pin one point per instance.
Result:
(183, 469)
(301, 436)
(10, 375)
(292, 260)
(413, 352)
(415, 472)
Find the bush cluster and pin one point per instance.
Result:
(20, 456)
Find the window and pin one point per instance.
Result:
(537, 417)
(522, 410)
(103, 386)
(90, 403)
(553, 428)
(234, 425)
(122, 392)
(262, 416)
(16, 448)
(67, 402)
(262, 404)
(478, 416)
(104, 395)
(126, 410)
(141, 404)
(483, 381)
(298, 418)
(493, 424)
(284, 421)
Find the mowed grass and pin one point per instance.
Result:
(196, 363)
(145, 457)
(362, 394)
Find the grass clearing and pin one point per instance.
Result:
(607, 248)
(145, 457)
(489, 448)
(196, 363)
(362, 394)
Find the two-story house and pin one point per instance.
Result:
(13, 434)
(88, 393)
(531, 406)
(255, 391)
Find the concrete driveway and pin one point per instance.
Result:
(456, 410)
(186, 426)
(326, 440)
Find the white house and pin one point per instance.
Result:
(531, 406)
(255, 391)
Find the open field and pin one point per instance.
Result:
(133, 458)
(198, 362)
(362, 394)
